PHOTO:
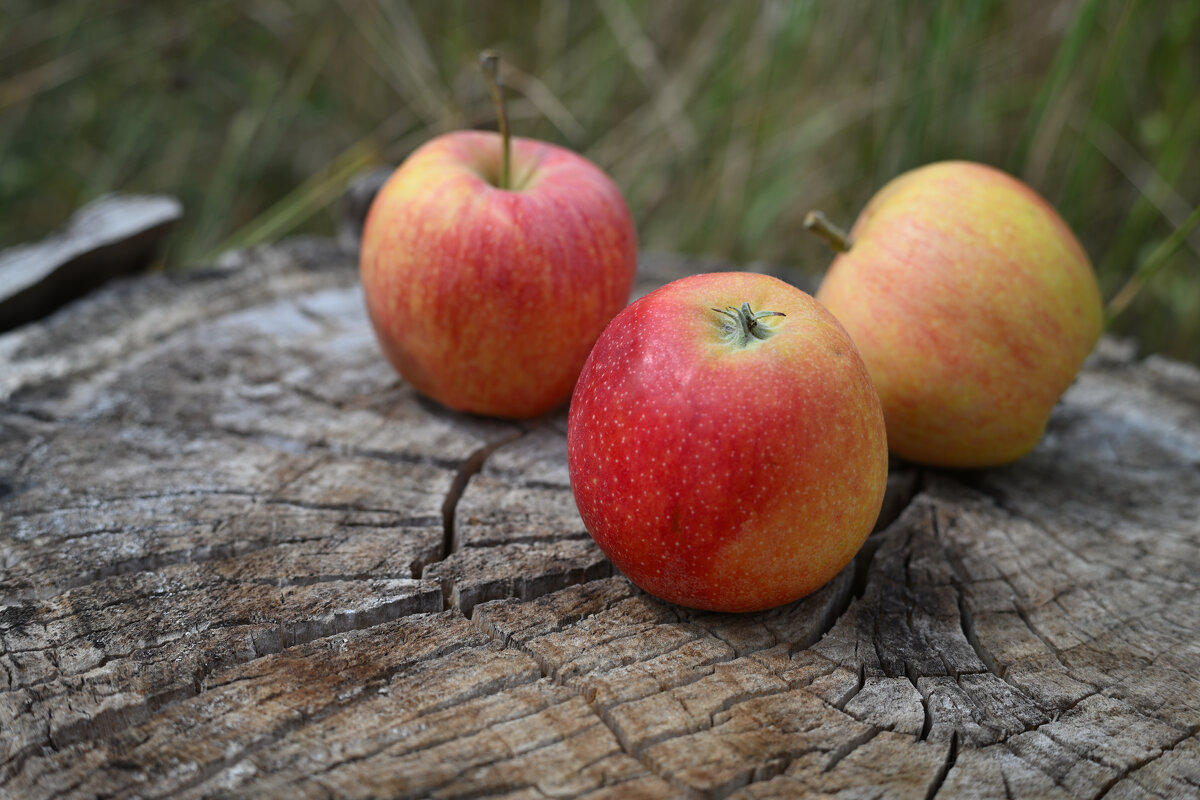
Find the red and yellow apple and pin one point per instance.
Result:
(725, 445)
(489, 299)
(973, 306)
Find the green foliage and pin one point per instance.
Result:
(723, 122)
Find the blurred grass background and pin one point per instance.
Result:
(723, 122)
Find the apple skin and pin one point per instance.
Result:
(973, 306)
(719, 477)
(488, 300)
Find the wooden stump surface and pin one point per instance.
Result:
(239, 557)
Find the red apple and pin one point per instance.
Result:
(489, 299)
(726, 447)
(973, 306)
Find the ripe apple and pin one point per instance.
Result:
(488, 283)
(725, 445)
(973, 306)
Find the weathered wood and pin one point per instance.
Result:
(241, 558)
(356, 202)
(114, 235)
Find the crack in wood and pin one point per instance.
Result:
(698, 670)
(303, 717)
(547, 538)
(320, 448)
(927, 724)
(939, 778)
(602, 714)
(851, 592)
(466, 594)
(1026, 565)
(715, 717)
(1058, 780)
(1120, 773)
(197, 556)
(567, 620)
(849, 746)
(966, 616)
(1133, 769)
(96, 502)
(841, 702)
(764, 771)
(111, 721)
(468, 469)
(351, 508)
(501, 683)
(513, 787)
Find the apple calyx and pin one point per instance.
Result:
(741, 325)
(817, 223)
(490, 63)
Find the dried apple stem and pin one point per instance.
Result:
(490, 62)
(835, 237)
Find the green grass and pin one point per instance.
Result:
(723, 122)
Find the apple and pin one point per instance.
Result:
(973, 306)
(726, 448)
(487, 284)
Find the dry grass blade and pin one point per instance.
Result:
(307, 199)
(412, 81)
(641, 54)
(1142, 174)
(545, 101)
(1152, 265)
(21, 88)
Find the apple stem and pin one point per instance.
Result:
(490, 62)
(742, 325)
(835, 237)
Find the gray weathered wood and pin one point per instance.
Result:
(241, 558)
(356, 202)
(112, 236)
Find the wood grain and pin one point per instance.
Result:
(241, 558)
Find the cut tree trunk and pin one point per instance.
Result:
(238, 556)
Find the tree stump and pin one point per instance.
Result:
(241, 558)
